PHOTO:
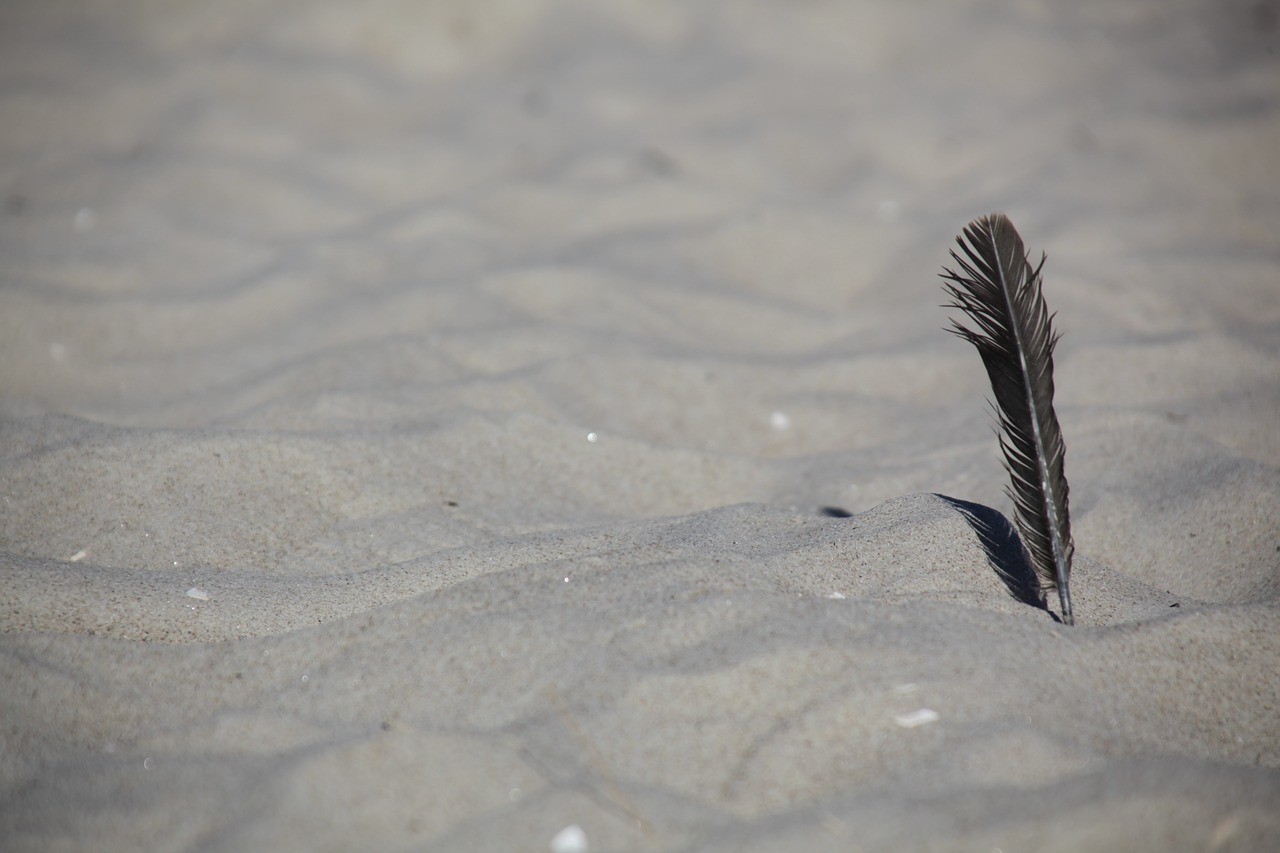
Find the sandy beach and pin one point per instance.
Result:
(529, 425)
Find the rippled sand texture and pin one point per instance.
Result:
(435, 426)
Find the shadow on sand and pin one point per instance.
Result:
(1004, 551)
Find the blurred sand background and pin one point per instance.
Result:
(434, 425)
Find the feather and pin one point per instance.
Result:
(1001, 292)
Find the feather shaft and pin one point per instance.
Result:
(1002, 294)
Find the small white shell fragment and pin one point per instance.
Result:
(198, 594)
(78, 556)
(836, 595)
(920, 717)
(571, 839)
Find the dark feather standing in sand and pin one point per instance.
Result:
(1000, 291)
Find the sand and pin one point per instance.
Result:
(441, 426)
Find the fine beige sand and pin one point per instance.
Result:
(529, 426)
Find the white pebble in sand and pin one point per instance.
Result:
(921, 717)
(198, 593)
(571, 839)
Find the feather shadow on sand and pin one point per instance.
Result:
(1004, 550)
(1001, 293)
